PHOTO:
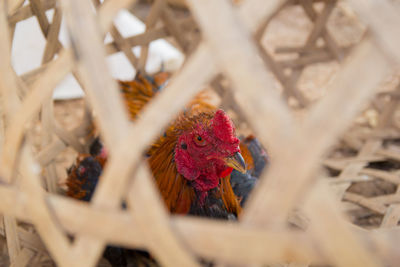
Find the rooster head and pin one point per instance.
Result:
(208, 150)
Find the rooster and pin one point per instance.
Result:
(191, 162)
(194, 162)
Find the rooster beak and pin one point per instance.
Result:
(237, 162)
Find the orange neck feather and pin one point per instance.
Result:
(177, 193)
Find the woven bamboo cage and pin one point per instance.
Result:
(37, 223)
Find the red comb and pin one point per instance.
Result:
(223, 126)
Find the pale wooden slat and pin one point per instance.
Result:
(382, 17)
(76, 218)
(53, 237)
(109, 9)
(254, 12)
(365, 202)
(240, 62)
(52, 38)
(335, 237)
(120, 42)
(303, 61)
(224, 243)
(343, 90)
(319, 24)
(392, 216)
(388, 199)
(25, 12)
(150, 23)
(174, 28)
(330, 42)
(10, 104)
(13, 244)
(23, 259)
(120, 227)
(31, 105)
(100, 88)
(28, 240)
(14, 5)
(387, 176)
(38, 11)
(161, 240)
(140, 39)
(102, 92)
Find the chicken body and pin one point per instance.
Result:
(191, 162)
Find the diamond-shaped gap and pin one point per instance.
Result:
(290, 56)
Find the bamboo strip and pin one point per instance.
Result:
(151, 20)
(306, 60)
(320, 22)
(52, 38)
(103, 94)
(329, 227)
(364, 202)
(381, 17)
(56, 242)
(31, 105)
(25, 12)
(120, 42)
(77, 216)
(237, 59)
(330, 42)
(28, 240)
(392, 216)
(13, 244)
(24, 258)
(174, 28)
(342, 89)
(11, 104)
(161, 240)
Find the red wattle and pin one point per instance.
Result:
(226, 172)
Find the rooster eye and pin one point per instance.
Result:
(199, 140)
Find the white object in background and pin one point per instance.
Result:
(29, 43)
